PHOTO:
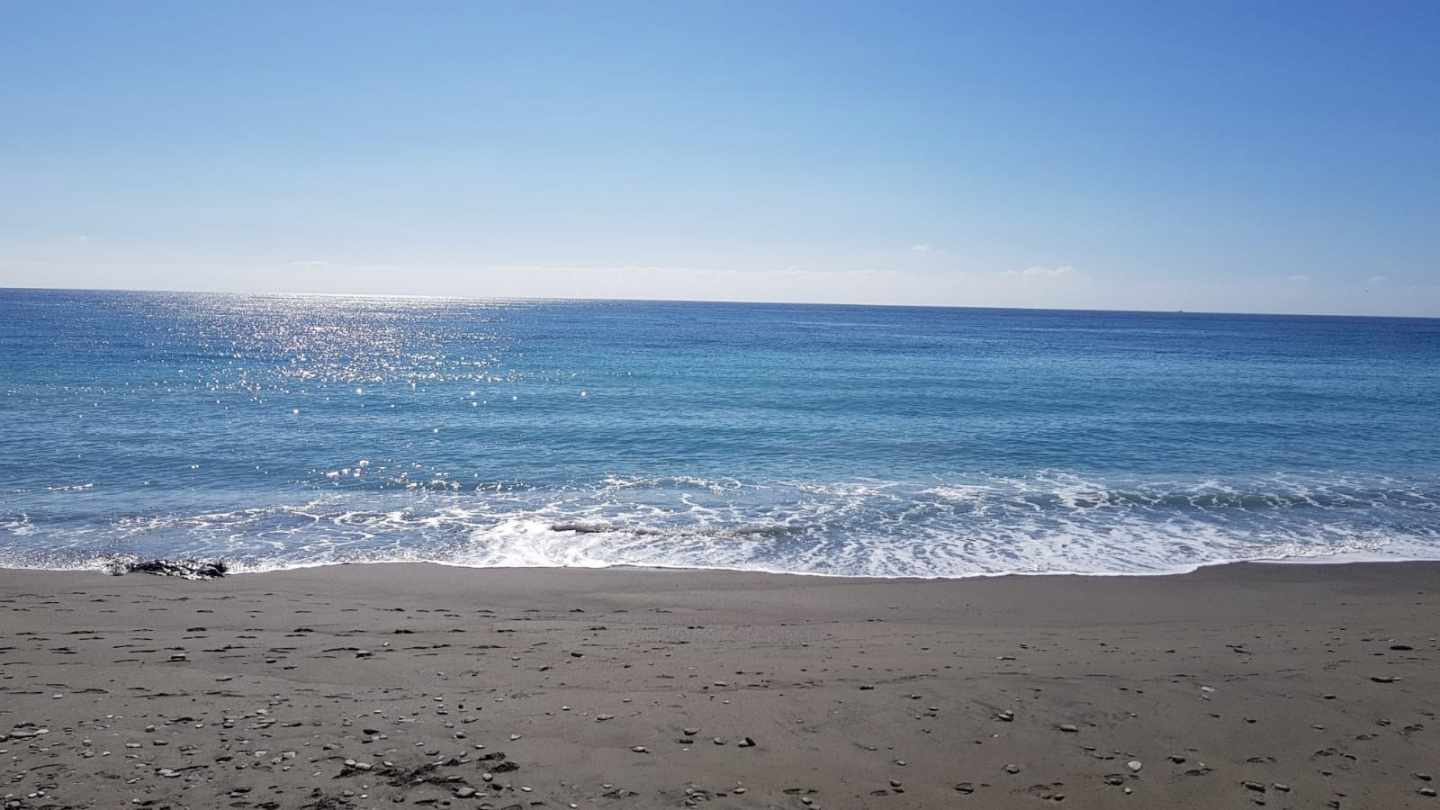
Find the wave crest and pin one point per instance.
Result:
(1051, 522)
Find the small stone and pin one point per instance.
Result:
(1255, 786)
(1006, 716)
(1012, 768)
(1383, 678)
(1134, 765)
(639, 749)
(1069, 728)
(465, 792)
(748, 742)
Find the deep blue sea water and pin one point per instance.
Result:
(277, 431)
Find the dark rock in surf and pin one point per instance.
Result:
(185, 569)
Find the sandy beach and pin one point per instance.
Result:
(421, 685)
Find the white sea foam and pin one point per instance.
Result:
(1052, 522)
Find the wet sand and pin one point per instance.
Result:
(419, 685)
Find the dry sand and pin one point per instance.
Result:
(419, 685)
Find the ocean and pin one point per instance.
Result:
(283, 431)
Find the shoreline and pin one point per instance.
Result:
(406, 684)
(1339, 559)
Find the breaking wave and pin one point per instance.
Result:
(1051, 522)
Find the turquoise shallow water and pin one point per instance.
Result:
(282, 431)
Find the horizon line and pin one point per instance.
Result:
(424, 296)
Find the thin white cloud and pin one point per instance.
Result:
(1042, 271)
(922, 247)
(1297, 277)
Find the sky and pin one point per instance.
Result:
(1209, 156)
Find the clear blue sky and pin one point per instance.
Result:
(1257, 156)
